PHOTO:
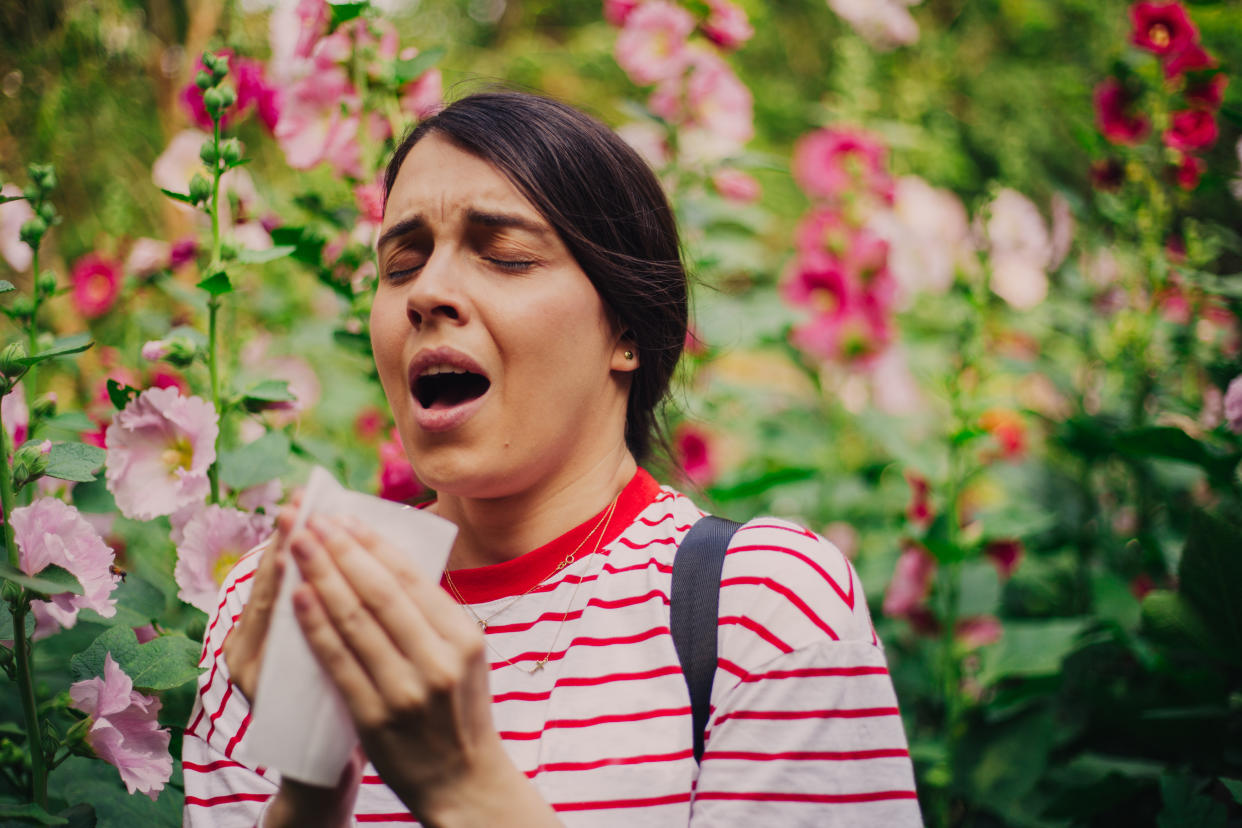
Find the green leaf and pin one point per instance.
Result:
(269, 391)
(177, 196)
(6, 623)
(51, 580)
(405, 71)
(74, 461)
(217, 284)
(166, 662)
(70, 421)
(138, 602)
(62, 347)
(257, 462)
(1209, 575)
(762, 483)
(94, 498)
(6, 286)
(1186, 807)
(120, 394)
(1234, 786)
(979, 588)
(1030, 648)
(29, 812)
(307, 245)
(269, 255)
(88, 780)
(345, 12)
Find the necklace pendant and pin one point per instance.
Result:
(539, 665)
(482, 624)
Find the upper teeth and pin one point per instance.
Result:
(442, 369)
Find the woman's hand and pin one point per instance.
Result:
(298, 805)
(412, 671)
(243, 649)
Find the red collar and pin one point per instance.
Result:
(516, 576)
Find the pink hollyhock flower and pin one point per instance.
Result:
(856, 332)
(370, 200)
(1161, 28)
(692, 449)
(253, 90)
(1189, 171)
(1233, 405)
(830, 162)
(396, 476)
(155, 350)
(1193, 58)
(263, 497)
(712, 107)
(50, 531)
(1006, 554)
(145, 633)
(147, 256)
(1021, 250)
(894, 390)
(820, 283)
(928, 234)
(885, 24)
(191, 97)
(649, 141)
(164, 377)
(183, 252)
(423, 96)
(212, 542)
(617, 12)
(919, 511)
(1191, 129)
(1115, 116)
(159, 449)
(369, 423)
(736, 185)
(96, 284)
(726, 24)
(314, 129)
(125, 730)
(911, 582)
(13, 214)
(652, 45)
(978, 631)
(16, 415)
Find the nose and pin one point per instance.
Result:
(435, 295)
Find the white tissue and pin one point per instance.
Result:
(299, 723)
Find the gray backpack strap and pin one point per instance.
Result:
(694, 610)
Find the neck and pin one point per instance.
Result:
(493, 530)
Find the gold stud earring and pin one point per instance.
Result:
(629, 354)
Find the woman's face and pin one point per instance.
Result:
(500, 362)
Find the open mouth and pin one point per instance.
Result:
(446, 387)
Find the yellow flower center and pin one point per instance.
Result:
(1159, 35)
(179, 455)
(225, 563)
(824, 301)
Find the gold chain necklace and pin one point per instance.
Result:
(569, 559)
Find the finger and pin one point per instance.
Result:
(337, 659)
(288, 514)
(387, 564)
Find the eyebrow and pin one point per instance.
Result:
(473, 216)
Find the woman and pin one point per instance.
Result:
(530, 311)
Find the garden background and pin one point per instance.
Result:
(967, 303)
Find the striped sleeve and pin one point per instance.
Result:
(221, 791)
(804, 728)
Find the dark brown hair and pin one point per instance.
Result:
(610, 211)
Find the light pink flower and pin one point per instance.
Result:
(125, 730)
(13, 215)
(265, 496)
(159, 449)
(648, 140)
(718, 115)
(726, 24)
(928, 234)
(911, 582)
(693, 450)
(828, 163)
(155, 350)
(652, 45)
(50, 531)
(212, 543)
(396, 476)
(1021, 250)
(314, 129)
(1233, 404)
(978, 630)
(893, 387)
(736, 185)
(146, 256)
(885, 24)
(96, 284)
(16, 415)
(854, 333)
(423, 96)
(370, 200)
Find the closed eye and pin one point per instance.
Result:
(510, 264)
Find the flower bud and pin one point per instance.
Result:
(208, 153)
(44, 406)
(32, 231)
(214, 101)
(47, 212)
(219, 67)
(43, 176)
(204, 81)
(22, 306)
(10, 360)
(228, 251)
(231, 151)
(200, 188)
(227, 96)
(181, 351)
(46, 283)
(155, 350)
(29, 463)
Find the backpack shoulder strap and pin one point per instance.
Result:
(694, 610)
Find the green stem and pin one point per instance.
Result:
(213, 308)
(25, 682)
(32, 329)
(7, 499)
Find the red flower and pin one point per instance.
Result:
(1207, 92)
(1190, 171)
(1006, 554)
(396, 478)
(1161, 28)
(1113, 112)
(1191, 59)
(692, 448)
(183, 252)
(96, 284)
(1191, 129)
(919, 511)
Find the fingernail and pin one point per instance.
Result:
(299, 549)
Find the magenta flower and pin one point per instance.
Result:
(1191, 129)
(423, 96)
(125, 730)
(212, 542)
(314, 129)
(396, 476)
(736, 185)
(727, 25)
(830, 162)
(617, 12)
(50, 531)
(1115, 116)
(1161, 28)
(911, 583)
(159, 449)
(16, 415)
(693, 451)
(652, 45)
(1233, 405)
(855, 333)
(96, 284)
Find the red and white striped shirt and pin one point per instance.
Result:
(804, 727)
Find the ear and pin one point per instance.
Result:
(625, 354)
